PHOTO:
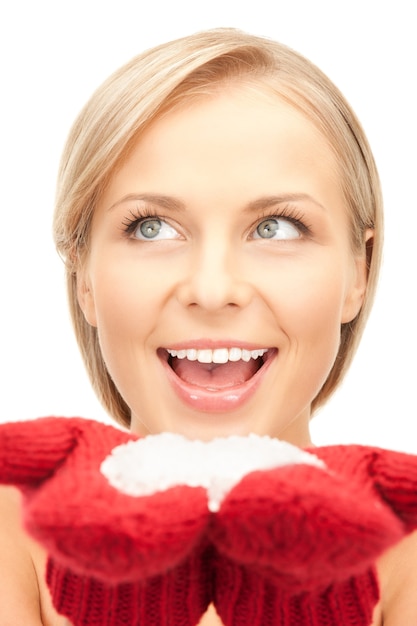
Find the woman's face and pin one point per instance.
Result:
(221, 270)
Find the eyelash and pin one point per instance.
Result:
(136, 216)
(295, 216)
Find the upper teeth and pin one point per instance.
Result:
(219, 355)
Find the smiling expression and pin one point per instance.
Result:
(220, 269)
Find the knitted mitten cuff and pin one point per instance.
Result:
(178, 597)
(243, 598)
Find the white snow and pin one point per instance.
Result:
(158, 462)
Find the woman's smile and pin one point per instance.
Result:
(215, 379)
(221, 269)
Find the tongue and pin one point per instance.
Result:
(213, 375)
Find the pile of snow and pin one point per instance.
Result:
(159, 462)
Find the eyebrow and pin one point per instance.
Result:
(166, 202)
(269, 201)
(171, 203)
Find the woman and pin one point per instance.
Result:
(219, 213)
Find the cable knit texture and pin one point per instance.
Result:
(294, 545)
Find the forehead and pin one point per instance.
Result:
(235, 138)
(245, 113)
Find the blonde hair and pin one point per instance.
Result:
(165, 77)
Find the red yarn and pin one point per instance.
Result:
(291, 546)
(177, 598)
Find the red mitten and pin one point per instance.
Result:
(306, 538)
(110, 554)
(244, 598)
(291, 539)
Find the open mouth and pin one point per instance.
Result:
(216, 369)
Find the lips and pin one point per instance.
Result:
(215, 379)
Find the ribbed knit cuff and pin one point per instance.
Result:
(243, 598)
(178, 598)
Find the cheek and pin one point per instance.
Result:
(308, 302)
(318, 306)
(309, 316)
(126, 300)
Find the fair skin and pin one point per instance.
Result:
(244, 244)
(213, 174)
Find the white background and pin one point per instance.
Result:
(53, 55)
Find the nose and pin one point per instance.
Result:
(215, 280)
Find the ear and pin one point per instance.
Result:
(357, 289)
(85, 296)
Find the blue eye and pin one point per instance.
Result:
(153, 228)
(276, 228)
